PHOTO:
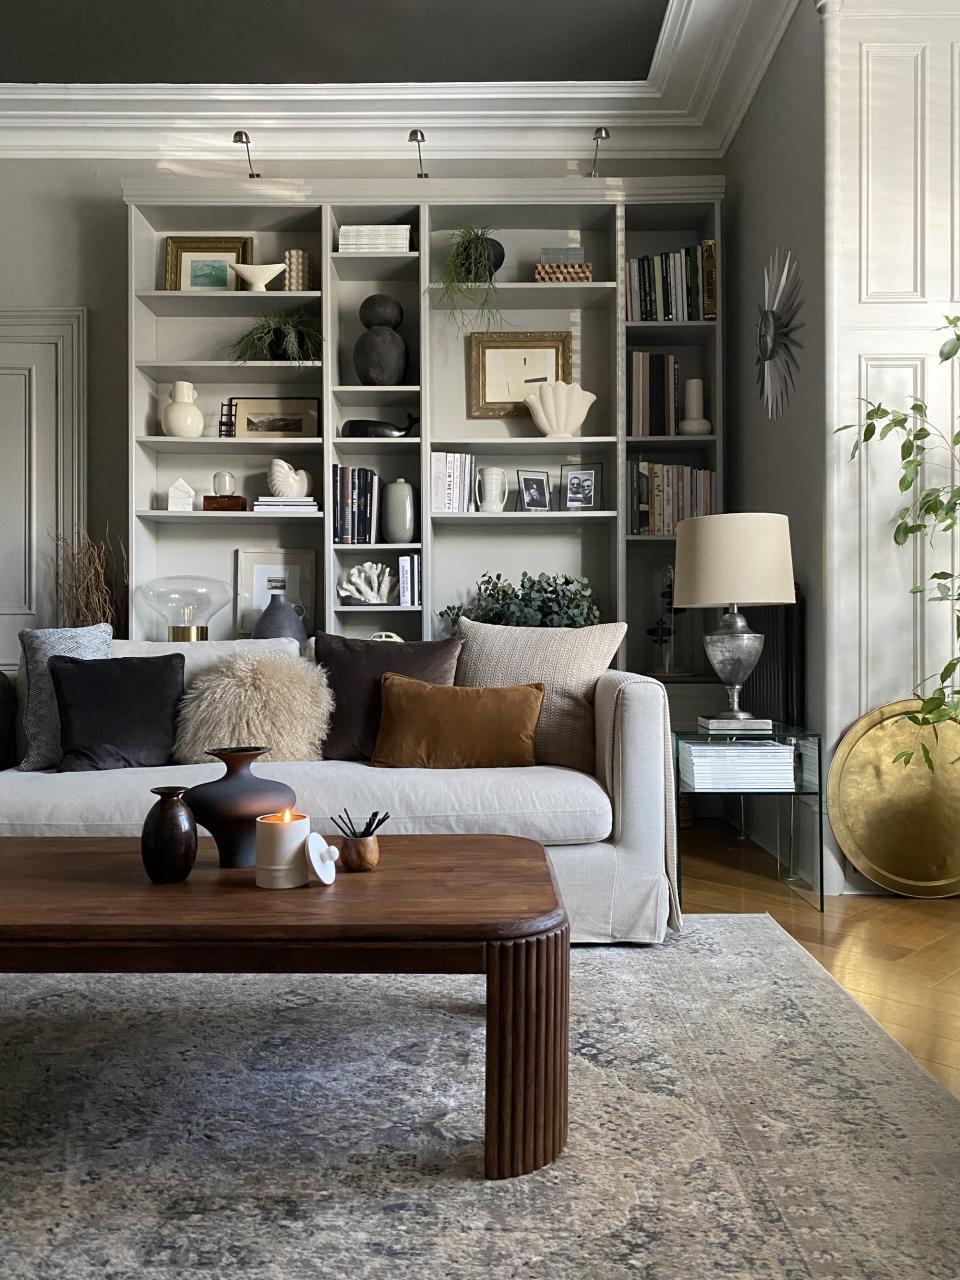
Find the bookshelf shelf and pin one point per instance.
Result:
(481, 518)
(375, 266)
(640, 443)
(229, 517)
(197, 303)
(228, 371)
(488, 446)
(378, 608)
(399, 444)
(534, 296)
(227, 447)
(387, 397)
(356, 547)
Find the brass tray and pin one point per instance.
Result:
(899, 827)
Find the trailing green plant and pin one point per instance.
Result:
(929, 510)
(547, 600)
(282, 335)
(466, 281)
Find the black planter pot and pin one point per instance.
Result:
(497, 255)
(168, 843)
(229, 806)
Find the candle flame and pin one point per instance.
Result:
(287, 815)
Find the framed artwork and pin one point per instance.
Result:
(506, 367)
(533, 491)
(581, 487)
(202, 263)
(279, 569)
(263, 418)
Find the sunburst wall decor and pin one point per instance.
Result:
(777, 342)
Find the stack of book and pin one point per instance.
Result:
(653, 394)
(286, 506)
(379, 238)
(737, 766)
(356, 504)
(718, 724)
(809, 764)
(408, 568)
(453, 479)
(679, 285)
(663, 494)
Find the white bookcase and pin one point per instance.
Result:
(187, 336)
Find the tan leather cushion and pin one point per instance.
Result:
(428, 726)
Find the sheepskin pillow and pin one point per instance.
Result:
(269, 699)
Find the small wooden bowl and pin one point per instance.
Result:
(361, 854)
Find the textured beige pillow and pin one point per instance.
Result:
(256, 699)
(567, 661)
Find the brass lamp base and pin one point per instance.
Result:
(186, 633)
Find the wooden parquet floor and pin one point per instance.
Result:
(899, 957)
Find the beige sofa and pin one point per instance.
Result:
(610, 835)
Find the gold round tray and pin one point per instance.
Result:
(899, 827)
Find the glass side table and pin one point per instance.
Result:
(748, 764)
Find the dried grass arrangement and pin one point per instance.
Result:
(91, 581)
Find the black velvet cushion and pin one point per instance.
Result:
(117, 713)
(354, 670)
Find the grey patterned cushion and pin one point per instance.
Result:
(41, 717)
(568, 661)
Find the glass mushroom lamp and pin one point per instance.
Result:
(186, 603)
(726, 561)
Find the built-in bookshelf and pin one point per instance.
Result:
(178, 335)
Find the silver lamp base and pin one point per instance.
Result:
(733, 650)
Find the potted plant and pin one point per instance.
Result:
(281, 335)
(467, 279)
(547, 600)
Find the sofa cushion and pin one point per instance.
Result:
(554, 806)
(41, 718)
(201, 656)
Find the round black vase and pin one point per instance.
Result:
(497, 255)
(230, 805)
(380, 354)
(168, 843)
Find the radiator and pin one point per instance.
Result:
(775, 689)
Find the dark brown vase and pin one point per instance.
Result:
(229, 806)
(168, 843)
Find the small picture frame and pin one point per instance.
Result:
(507, 367)
(581, 486)
(533, 490)
(280, 569)
(267, 418)
(201, 264)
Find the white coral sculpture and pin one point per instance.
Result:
(284, 481)
(369, 583)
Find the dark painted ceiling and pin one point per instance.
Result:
(325, 41)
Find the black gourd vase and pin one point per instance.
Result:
(229, 806)
(168, 843)
(380, 353)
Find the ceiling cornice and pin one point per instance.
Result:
(709, 59)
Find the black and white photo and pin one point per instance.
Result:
(533, 490)
(581, 487)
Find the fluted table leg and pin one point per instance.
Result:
(528, 1014)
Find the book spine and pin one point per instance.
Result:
(657, 291)
(448, 504)
(375, 510)
(335, 491)
(709, 248)
(667, 291)
(345, 504)
(416, 578)
(438, 481)
(406, 595)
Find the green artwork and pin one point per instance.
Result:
(208, 273)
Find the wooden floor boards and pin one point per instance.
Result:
(899, 957)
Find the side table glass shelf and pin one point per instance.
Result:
(784, 764)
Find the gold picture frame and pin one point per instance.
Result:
(498, 369)
(199, 264)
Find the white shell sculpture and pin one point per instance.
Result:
(369, 583)
(284, 481)
(559, 408)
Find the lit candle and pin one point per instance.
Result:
(281, 854)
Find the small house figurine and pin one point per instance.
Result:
(180, 497)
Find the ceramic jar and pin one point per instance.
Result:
(693, 423)
(398, 520)
(230, 805)
(280, 618)
(168, 843)
(181, 417)
(491, 488)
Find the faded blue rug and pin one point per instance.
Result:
(733, 1113)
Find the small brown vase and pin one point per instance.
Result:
(168, 843)
(360, 854)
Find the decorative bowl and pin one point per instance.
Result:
(559, 408)
(258, 276)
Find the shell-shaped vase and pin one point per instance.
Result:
(559, 408)
(284, 481)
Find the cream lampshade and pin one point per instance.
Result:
(728, 560)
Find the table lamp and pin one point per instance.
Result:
(185, 602)
(724, 562)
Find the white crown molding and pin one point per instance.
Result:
(709, 59)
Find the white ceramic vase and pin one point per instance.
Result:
(398, 519)
(559, 408)
(181, 417)
(693, 423)
(257, 276)
(491, 488)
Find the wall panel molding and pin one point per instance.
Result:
(25, 603)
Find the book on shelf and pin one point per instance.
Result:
(653, 393)
(680, 284)
(663, 494)
(408, 567)
(717, 724)
(453, 479)
(374, 239)
(286, 506)
(356, 505)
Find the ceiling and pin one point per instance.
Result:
(507, 78)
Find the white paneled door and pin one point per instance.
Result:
(42, 357)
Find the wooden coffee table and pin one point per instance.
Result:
(436, 904)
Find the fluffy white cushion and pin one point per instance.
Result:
(270, 699)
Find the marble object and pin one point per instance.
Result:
(257, 275)
(281, 618)
(398, 517)
(181, 417)
(369, 583)
(559, 408)
(229, 805)
(180, 496)
(693, 423)
(285, 481)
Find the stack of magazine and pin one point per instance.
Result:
(379, 238)
(739, 765)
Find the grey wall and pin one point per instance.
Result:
(775, 198)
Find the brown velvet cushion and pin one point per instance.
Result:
(354, 669)
(426, 726)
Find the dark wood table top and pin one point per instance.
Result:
(427, 889)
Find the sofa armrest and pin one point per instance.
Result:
(8, 722)
(635, 766)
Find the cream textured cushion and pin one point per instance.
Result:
(256, 699)
(568, 661)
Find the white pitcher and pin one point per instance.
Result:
(181, 417)
(491, 488)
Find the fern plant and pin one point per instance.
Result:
(466, 281)
(547, 600)
(281, 335)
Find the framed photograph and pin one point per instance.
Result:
(261, 418)
(581, 487)
(202, 263)
(507, 367)
(533, 491)
(260, 572)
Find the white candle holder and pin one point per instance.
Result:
(281, 850)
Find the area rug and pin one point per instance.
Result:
(733, 1113)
